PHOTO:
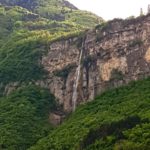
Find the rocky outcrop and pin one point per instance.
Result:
(56, 118)
(113, 54)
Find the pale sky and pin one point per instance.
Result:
(109, 9)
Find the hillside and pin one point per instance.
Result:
(16, 16)
(117, 119)
(33, 4)
(58, 10)
(26, 30)
(23, 44)
(25, 35)
(24, 117)
(54, 59)
(55, 17)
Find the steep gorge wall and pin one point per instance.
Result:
(113, 55)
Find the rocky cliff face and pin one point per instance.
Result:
(113, 54)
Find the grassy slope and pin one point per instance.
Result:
(25, 37)
(24, 117)
(14, 19)
(116, 120)
(57, 10)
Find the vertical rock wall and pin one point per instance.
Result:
(113, 54)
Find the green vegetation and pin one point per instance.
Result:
(15, 19)
(24, 117)
(57, 10)
(19, 58)
(21, 55)
(27, 32)
(27, 27)
(84, 18)
(116, 120)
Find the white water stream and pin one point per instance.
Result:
(76, 83)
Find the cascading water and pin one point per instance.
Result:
(76, 83)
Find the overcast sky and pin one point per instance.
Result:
(109, 9)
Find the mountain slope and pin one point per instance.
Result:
(118, 119)
(54, 16)
(40, 44)
(25, 36)
(26, 30)
(17, 19)
(26, 33)
(33, 4)
(58, 10)
(24, 117)
(51, 9)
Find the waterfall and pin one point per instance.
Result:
(76, 83)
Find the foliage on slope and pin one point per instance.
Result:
(58, 10)
(34, 4)
(26, 34)
(117, 120)
(24, 117)
(17, 18)
(20, 57)
(25, 38)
